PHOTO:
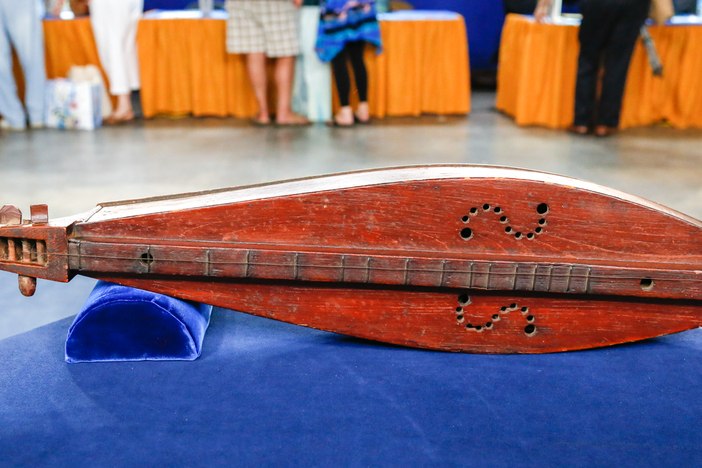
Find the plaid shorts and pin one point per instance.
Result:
(268, 26)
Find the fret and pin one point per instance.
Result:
(587, 280)
(296, 259)
(481, 275)
(343, 268)
(542, 278)
(470, 275)
(368, 260)
(579, 279)
(502, 276)
(208, 263)
(524, 277)
(247, 263)
(560, 278)
(406, 272)
(456, 275)
(443, 273)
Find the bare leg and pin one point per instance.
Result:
(123, 112)
(284, 72)
(363, 113)
(256, 65)
(124, 106)
(344, 117)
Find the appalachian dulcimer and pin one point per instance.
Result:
(458, 258)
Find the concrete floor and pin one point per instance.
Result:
(73, 171)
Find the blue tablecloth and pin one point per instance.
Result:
(265, 393)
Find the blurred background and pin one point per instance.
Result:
(469, 82)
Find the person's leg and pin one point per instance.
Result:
(279, 20)
(343, 87)
(617, 57)
(10, 106)
(111, 23)
(256, 67)
(592, 34)
(245, 35)
(284, 73)
(356, 50)
(136, 8)
(27, 35)
(316, 75)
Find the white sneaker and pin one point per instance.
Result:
(5, 125)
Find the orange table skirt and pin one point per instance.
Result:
(185, 69)
(538, 67)
(66, 43)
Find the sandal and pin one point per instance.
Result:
(334, 123)
(297, 121)
(119, 119)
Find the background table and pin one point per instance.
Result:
(185, 68)
(66, 43)
(538, 67)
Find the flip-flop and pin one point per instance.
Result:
(359, 121)
(119, 120)
(258, 123)
(296, 123)
(334, 123)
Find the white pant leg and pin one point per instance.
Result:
(316, 74)
(20, 22)
(114, 27)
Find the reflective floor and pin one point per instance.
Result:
(73, 171)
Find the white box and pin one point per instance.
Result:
(73, 105)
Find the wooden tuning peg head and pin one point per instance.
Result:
(39, 214)
(27, 285)
(11, 215)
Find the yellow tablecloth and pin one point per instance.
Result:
(538, 66)
(185, 69)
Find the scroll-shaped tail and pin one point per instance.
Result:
(32, 248)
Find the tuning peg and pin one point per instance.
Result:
(10, 214)
(39, 214)
(27, 285)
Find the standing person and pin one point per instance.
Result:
(20, 24)
(267, 28)
(344, 29)
(608, 32)
(114, 25)
(312, 91)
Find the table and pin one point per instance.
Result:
(66, 43)
(538, 66)
(265, 393)
(185, 68)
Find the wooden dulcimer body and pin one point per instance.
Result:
(457, 258)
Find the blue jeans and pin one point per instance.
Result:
(20, 23)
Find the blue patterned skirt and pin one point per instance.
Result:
(345, 21)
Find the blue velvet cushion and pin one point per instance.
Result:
(118, 323)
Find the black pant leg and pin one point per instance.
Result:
(617, 58)
(356, 50)
(593, 33)
(341, 76)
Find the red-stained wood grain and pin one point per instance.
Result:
(386, 254)
(438, 319)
